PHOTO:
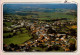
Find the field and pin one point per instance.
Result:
(18, 39)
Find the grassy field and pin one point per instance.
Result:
(7, 34)
(44, 15)
(8, 23)
(40, 49)
(18, 39)
(56, 15)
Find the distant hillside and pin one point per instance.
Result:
(12, 8)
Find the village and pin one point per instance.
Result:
(46, 35)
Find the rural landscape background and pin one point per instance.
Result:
(39, 27)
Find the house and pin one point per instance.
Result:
(67, 49)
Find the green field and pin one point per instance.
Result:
(8, 23)
(18, 39)
(45, 15)
(56, 15)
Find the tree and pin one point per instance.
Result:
(72, 47)
(73, 32)
(12, 45)
(54, 47)
(16, 47)
(50, 30)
